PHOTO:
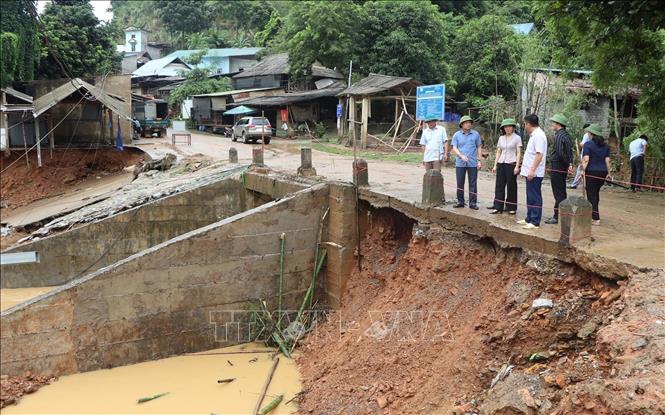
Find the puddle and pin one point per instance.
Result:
(190, 380)
(9, 297)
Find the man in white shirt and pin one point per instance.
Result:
(434, 141)
(637, 149)
(533, 170)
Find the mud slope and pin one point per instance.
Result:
(432, 319)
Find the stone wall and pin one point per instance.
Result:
(69, 255)
(170, 299)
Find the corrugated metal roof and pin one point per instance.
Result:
(16, 94)
(376, 83)
(160, 67)
(278, 100)
(111, 101)
(216, 53)
(233, 92)
(278, 64)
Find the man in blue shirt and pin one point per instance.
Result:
(466, 147)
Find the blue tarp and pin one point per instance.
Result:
(240, 110)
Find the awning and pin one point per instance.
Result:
(114, 102)
(240, 110)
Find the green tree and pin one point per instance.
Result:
(197, 81)
(466, 8)
(142, 14)
(182, 18)
(239, 15)
(74, 42)
(20, 47)
(487, 58)
(319, 30)
(406, 39)
(623, 42)
(268, 34)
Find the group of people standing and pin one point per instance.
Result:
(510, 162)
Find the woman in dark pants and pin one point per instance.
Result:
(596, 166)
(506, 167)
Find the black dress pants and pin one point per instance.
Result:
(506, 179)
(594, 181)
(636, 171)
(558, 179)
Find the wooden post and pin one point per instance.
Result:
(352, 118)
(4, 125)
(364, 115)
(340, 121)
(51, 139)
(38, 137)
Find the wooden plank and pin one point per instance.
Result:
(364, 118)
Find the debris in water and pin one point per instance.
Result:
(229, 362)
(153, 397)
(254, 360)
(272, 405)
(229, 380)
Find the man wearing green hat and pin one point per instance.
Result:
(561, 158)
(466, 147)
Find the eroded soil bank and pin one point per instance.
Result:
(438, 322)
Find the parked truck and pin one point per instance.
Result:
(152, 115)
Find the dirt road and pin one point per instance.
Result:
(632, 228)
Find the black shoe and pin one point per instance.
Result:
(474, 207)
(494, 212)
(491, 207)
(458, 205)
(571, 187)
(552, 221)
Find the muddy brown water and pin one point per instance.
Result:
(189, 380)
(9, 297)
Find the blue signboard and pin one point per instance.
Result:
(339, 110)
(430, 101)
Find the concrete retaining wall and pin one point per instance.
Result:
(69, 255)
(169, 299)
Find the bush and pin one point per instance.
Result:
(320, 129)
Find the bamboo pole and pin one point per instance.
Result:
(282, 238)
(25, 140)
(399, 122)
(262, 395)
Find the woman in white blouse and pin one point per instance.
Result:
(507, 167)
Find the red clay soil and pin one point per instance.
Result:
(12, 388)
(21, 185)
(372, 356)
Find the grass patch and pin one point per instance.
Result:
(340, 150)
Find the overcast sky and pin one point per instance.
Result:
(100, 7)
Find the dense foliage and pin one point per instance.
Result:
(623, 42)
(74, 42)
(19, 48)
(197, 81)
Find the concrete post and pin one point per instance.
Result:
(433, 188)
(306, 168)
(575, 220)
(233, 155)
(360, 173)
(257, 157)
